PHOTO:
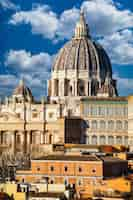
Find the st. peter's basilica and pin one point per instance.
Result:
(82, 107)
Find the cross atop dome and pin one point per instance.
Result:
(81, 29)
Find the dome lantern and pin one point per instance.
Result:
(81, 29)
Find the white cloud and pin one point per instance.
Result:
(42, 20)
(67, 23)
(8, 83)
(120, 47)
(8, 79)
(104, 17)
(7, 4)
(25, 61)
(34, 68)
(124, 85)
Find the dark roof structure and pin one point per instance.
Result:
(69, 158)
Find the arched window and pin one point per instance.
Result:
(102, 139)
(51, 181)
(110, 140)
(7, 138)
(66, 84)
(126, 125)
(52, 168)
(126, 140)
(81, 88)
(102, 125)
(93, 110)
(101, 110)
(94, 124)
(35, 139)
(94, 87)
(118, 111)
(94, 139)
(119, 140)
(125, 110)
(65, 168)
(118, 125)
(70, 90)
(109, 111)
(50, 139)
(18, 139)
(110, 125)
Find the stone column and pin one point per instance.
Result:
(42, 137)
(87, 139)
(86, 88)
(56, 87)
(76, 88)
(12, 141)
(52, 87)
(114, 139)
(28, 117)
(123, 140)
(98, 139)
(14, 146)
(61, 88)
(28, 135)
(49, 87)
(89, 88)
(25, 141)
(43, 117)
(106, 139)
(1, 137)
(45, 137)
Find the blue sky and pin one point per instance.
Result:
(32, 32)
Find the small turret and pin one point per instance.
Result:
(23, 93)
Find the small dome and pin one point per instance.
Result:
(23, 92)
(108, 88)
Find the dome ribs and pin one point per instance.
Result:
(77, 55)
(83, 59)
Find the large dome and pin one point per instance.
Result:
(82, 67)
(84, 54)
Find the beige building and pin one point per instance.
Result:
(106, 120)
(25, 123)
(82, 105)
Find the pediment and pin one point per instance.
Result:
(9, 117)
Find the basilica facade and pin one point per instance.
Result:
(82, 106)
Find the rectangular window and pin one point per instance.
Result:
(18, 115)
(51, 115)
(101, 110)
(34, 115)
(52, 168)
